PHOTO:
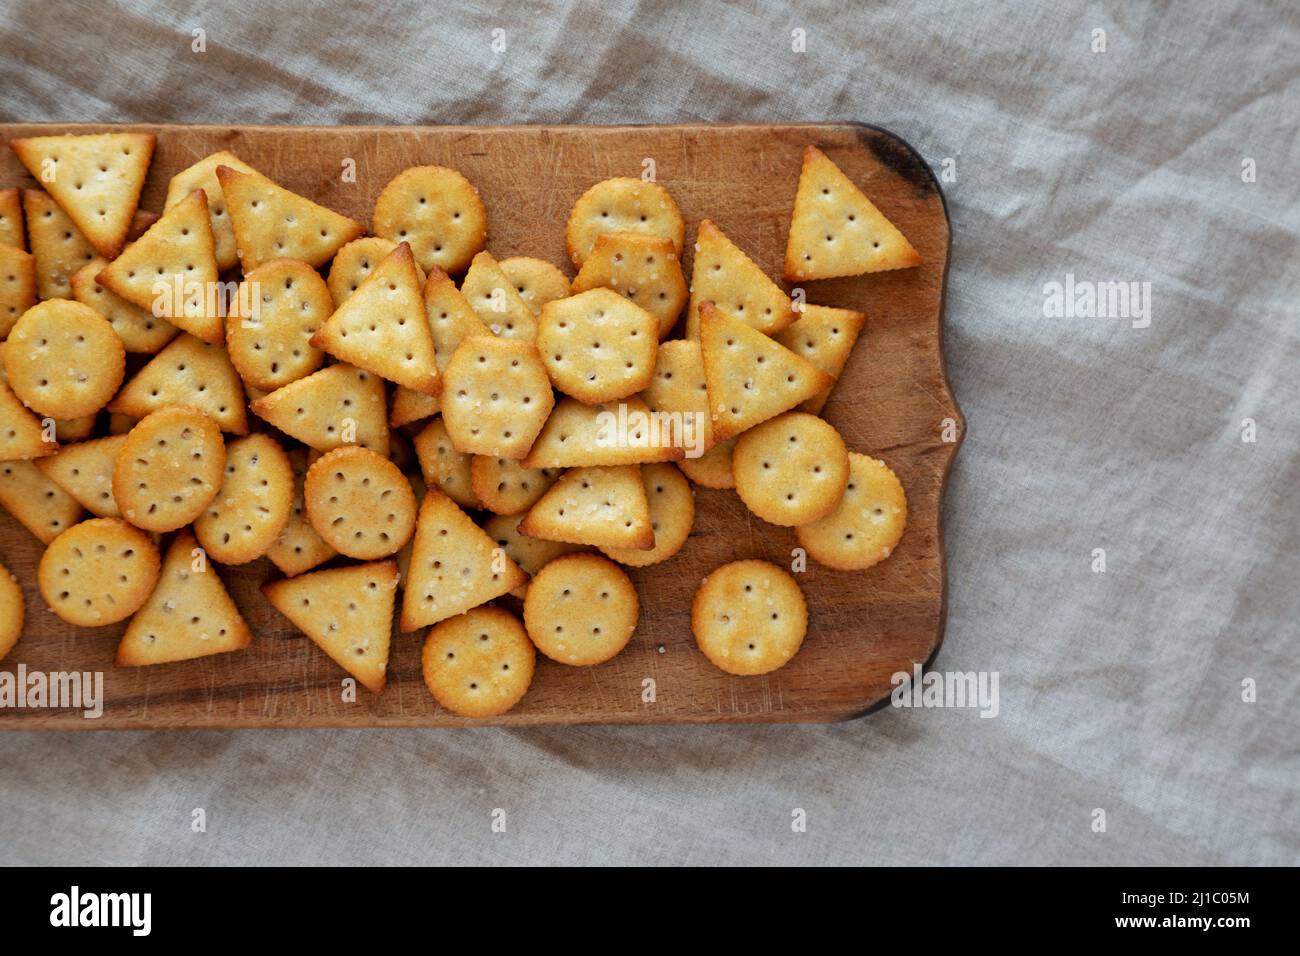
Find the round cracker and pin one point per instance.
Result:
(63, 359)
(792, 469)
(505, 487)
(480, 663)
(598, 346)
(537, 281)
(581, 609)
(622, 204)
(98, 572)
(273, 348)
(252, 507)
(672, 516)
(438, 212)
(749, 617)
(867, 525)
(355, 261)
(170, 468)
(359, 502)
(713, 468)
(11, 611)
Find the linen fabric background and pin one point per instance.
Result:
(1120, 691)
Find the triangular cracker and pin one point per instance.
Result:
(382, 326)
(139, 329)
(451, 317)
(96, 179)
(613, 433)
(339, 405)
(17, 285)
(43, 508)
(11, 218)
(497, 302)
(187, 372)
(203, 175)
(750, 377)
(825, 337)
(270, 222)
(605, 507)
(836, 230)
(21, 433)
(728, 278)
(189, 614)
(679, 392)
(85, 471)
(171, 271)
(347, 612)
(454, 565)
(58, 245)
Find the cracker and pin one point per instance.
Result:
(411, 406)
(63, 359)
(203, 175)
(451, 317)
(11, 218)
(98, 572)
(496, 396)
(792, 469)
(347, 613)
(17, 285)
(496, 301)
(479, 664)
(531, 554)
(506, 487)
(622, 204)
(270, 222)
(836, 230)
(188, 615)
(11, 611)
(749, 617)
(59, 247)
(603, 507)
(187, 372)
(355, 261)
(750, 377)
(404, 556)
(536, 280)
(85, 471)
(672, 516)
(438, 211)
(613, 433)
(22, 435)
(643, 269)
(96, 178)
(169, 469)
(139, 329)
(252, 507)
(382, 327)
(271, 348)
(172, 270)
(678, 391)
(713, 468)
(597, 345)
(339, 405)
(443, 466)
(581, 610)
(40, 506)
(868, 524)
(732, 281)
(299, 548)
(454, 565)
(825, 337)
(359, 503)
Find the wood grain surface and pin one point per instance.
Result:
(892, 402)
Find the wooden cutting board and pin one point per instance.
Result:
(893, 401)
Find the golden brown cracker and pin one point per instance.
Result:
(496, 302)
(192, 372)
(679, 393)
(672, 516)
(354, 262)
(643, 269)
(603, 507)
(437, 211)
(613, 433)
(139, 329)
(11, 218)
(581, 610)
(622, 204)
(40, 505)
(531, 554)
(749, 617)
(733, 282)
(792, 469)
(825, 337)
(479, 664)
(279, 307)
(63, 359)
(299, 548)
(443, 466)
(713, 468)
(85, 471)
(247, 515)
(359, 503)
(504, 486)
(169, 469)
(597, 346)
(58, 246)
(22, 434)
(536, 280)
(98, 572)
(339, 405)
(11, 612)
(868, 523)
(17, 285)
(496, 396)
(203, 175)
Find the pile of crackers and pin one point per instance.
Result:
(425, 419)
